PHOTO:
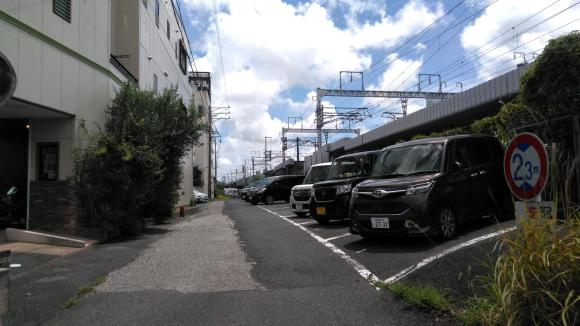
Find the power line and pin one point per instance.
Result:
(219, 39)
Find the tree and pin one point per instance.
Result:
(132, 168)
(552, 84)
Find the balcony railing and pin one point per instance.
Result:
(124, 70)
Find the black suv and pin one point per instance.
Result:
(275, 188)
(330, 198)
(432, 185)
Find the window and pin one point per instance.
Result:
(62, 9)
(177, 50)
(168, 31)
(182, 58)
(157, 13)
(200, 110)
(146, 3)
(155, 83)
(48, 161)
(480, 152)
(461, 154)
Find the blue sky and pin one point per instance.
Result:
(275, 54)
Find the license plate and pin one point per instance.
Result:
(298, 206)
(321, 210)
(379, 222)
(250, 197)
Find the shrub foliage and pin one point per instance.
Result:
(132, 169)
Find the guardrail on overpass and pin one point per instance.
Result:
(459, 110)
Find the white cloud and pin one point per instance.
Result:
(270, 47)
(493, 57)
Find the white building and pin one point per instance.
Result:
(69, 56)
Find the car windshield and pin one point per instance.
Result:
(408, 160)
(317, 174)
(265, 182)
(347, 167)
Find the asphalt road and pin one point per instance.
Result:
(239, 264)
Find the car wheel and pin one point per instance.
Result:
(321, 220)
(269, 200)
(300, 214)
(446, 223)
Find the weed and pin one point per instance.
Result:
(534, 281)
(423, 297)
(83, 291)
(71, 302)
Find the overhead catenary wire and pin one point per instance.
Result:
(221, 57)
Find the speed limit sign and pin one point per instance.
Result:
(526, 166)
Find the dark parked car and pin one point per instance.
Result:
(330, 198)
(430, 186)
(275, 188)
(244, 191)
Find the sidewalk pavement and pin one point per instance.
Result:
(51, 275)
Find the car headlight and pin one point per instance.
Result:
(261, 190)
(343, 189)
(419, 188)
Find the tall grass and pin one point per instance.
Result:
(536, 279)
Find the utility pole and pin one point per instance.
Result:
(267, 155)
(297, 149)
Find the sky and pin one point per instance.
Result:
(267, 57)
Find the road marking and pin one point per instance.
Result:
(358, 267)
(337, 237)
(304, 223)
(445, 252)
(358, 252)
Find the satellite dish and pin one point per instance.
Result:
(7, 79)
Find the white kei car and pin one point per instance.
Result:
(300, 194)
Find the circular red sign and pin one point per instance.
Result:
(526, 166)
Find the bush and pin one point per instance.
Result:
(132, 169)
(534, 281)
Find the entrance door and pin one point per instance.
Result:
(13, 171)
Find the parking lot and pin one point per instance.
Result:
(391, 259)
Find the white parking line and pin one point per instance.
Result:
(445, 252)
(363, 271)
(358, 252)
(337, 237)
(309, 222)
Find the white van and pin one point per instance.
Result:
(300, 194)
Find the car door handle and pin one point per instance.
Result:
(482, 172)
(473, 175)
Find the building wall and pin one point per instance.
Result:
(202, 151)
(158, 55)
(66, 67)
(69, 73)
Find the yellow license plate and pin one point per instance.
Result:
(321, 210)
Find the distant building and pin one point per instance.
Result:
(69, 57)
